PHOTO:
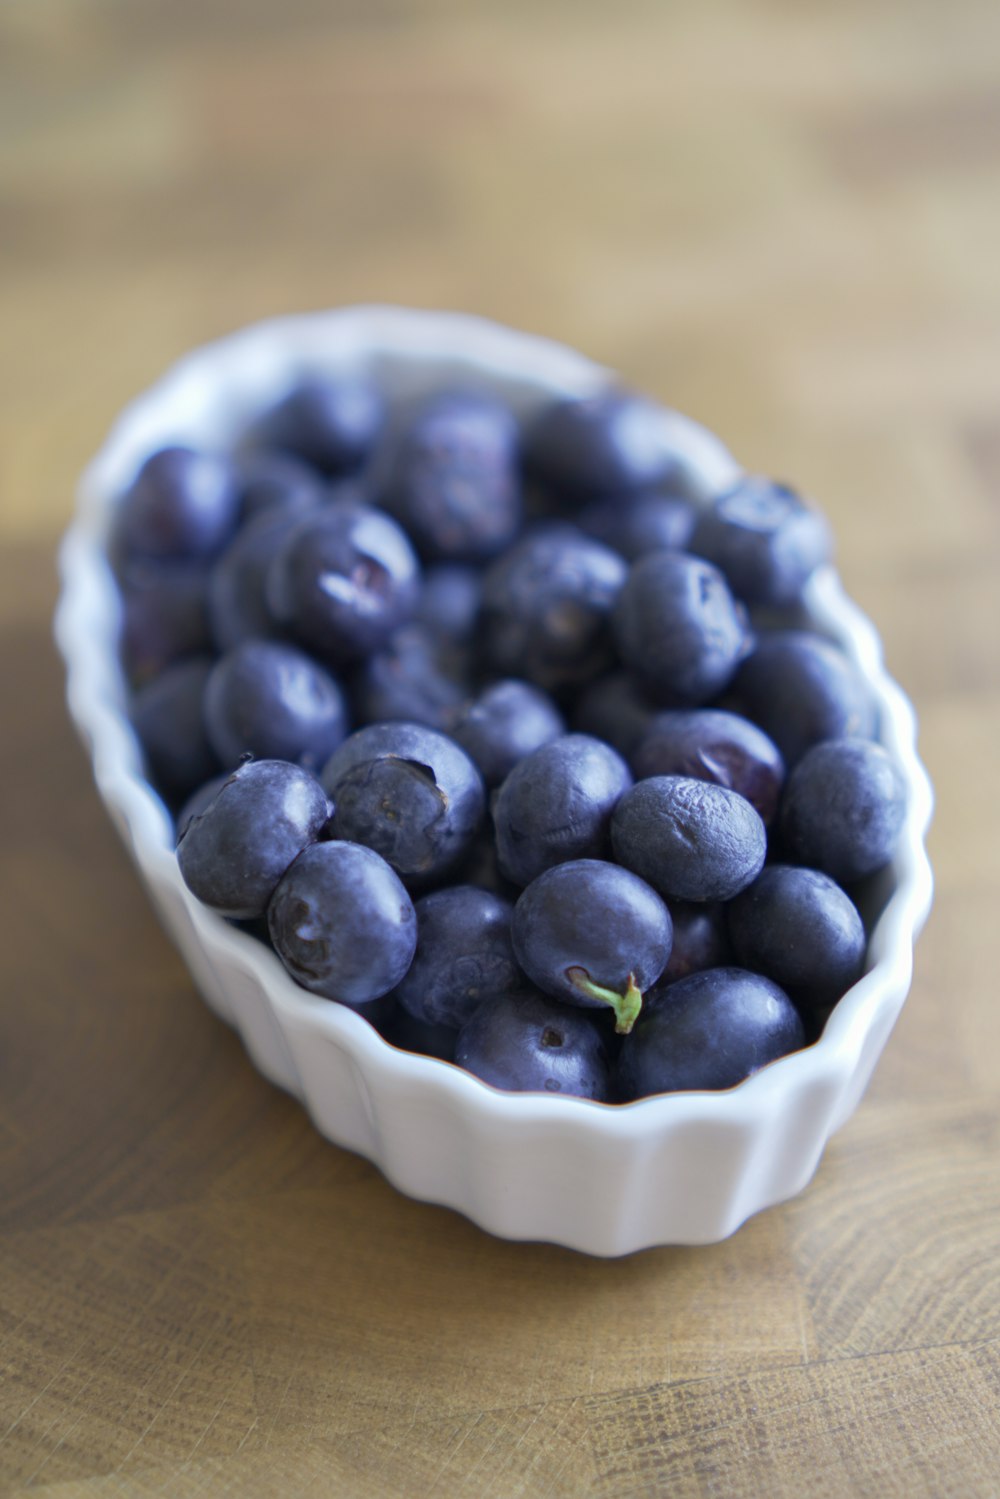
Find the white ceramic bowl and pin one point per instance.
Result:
(686, 1168)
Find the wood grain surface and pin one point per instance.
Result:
(784, 219)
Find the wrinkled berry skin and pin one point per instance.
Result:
(167, 716)
(235, 851)
(463, 956)
(183, 505)
(711, 745)
(528, 1043)
(691, 840)
(765, 539)
(408, 792)
(556, 805)
(331, 422)
(678, 628)
(707, 1032)
(342, 923)
(607, 444)
(594, 921)
(635, 524)
(800, 929)
(802, 689)
(506, 722)
(343, 580)
(701, 940)
(843, 809)
(546, 609)
(450, 477)
(271, 700)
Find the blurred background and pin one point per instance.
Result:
(784, 219)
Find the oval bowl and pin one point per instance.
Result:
(683, 1168)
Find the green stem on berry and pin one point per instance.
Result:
(626, 1006)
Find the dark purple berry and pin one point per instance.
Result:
(707, 1032)
(593, 934)
(271, 700)
(183, 505)
(235, 851)
(800, 929)
(449, 475)
(342, 923)
(843, 809)
(708, 744)
(678, 628)
(801, 689)
(691, 840)
(463, 955)
(556, 805)
(528, 1043)
(765, 539)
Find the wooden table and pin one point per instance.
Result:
(783, 219)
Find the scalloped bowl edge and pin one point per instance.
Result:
(685, 1168)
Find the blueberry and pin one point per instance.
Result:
(234, 852)
(610, 443)
(416, 677)
(167, 716)
(408, 792)
(448, 605)
(765, 539)
(546, 609)
(613, 709)
(843, 809)
(528, 1043)
(463, 955)
(276, 484)
(269, 699)
(507, 721)
(692, 840)
(556, 805)
(593, 934)
(708, 1031)
(343, 580)
(801, 689)
(449, 474)
(164, 617)
(237, 602)
(679, 629)
(330, 421)
(800, 929)
(634, 524)
(342, 923)
(182, 505)
(708, 744)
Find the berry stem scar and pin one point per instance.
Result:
(626, 1006)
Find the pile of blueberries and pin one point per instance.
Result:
(500, 736)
